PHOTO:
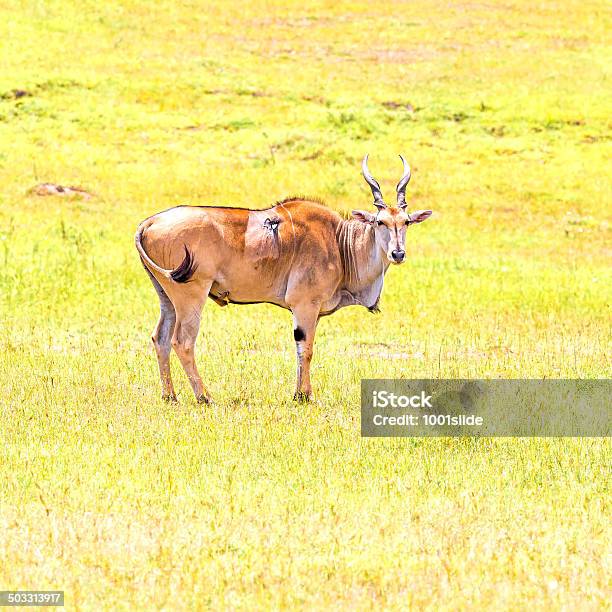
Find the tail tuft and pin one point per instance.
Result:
(186, 269)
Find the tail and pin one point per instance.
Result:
(181, 274)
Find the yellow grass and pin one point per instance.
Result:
(123, 501)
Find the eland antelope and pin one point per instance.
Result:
(298, 254)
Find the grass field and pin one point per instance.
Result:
(123, 501)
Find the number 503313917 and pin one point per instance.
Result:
(31, 598)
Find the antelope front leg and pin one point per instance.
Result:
(305, 317)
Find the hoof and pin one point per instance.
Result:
(171, 399)
(204, 399)
(302, 397)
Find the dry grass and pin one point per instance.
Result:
(124, 501)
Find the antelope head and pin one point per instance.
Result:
(390, 222)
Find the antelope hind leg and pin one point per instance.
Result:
(161, 338)
(188, 314)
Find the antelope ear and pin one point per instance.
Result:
(363, 216)
(418, 216)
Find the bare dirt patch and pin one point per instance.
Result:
(51, 189)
